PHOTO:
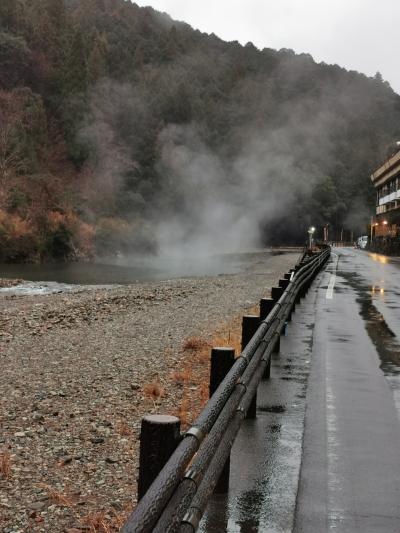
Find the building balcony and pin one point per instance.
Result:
(390, 197)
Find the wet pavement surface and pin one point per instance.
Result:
(323, 453)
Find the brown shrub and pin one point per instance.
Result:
(184, 412)
(123, 428)
(97, 522)
(5, 464)
(56, 497)
(194, 344)
(182, 376)
(153, 390)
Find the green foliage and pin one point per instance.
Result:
(57, 244)
(14, 60)
(324, 200)
(7, 13)
(97, 61)
(75, 79)
(18, 200)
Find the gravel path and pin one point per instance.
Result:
(79, 370)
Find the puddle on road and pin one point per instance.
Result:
(267, 453)
(272, 409)
(275, 428)
(249, 506)
(383, 338)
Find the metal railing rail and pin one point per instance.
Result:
(177, 498)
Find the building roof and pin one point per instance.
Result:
(388, 170)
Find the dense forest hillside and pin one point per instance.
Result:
(122, 131)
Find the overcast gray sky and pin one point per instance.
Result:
(362, 35)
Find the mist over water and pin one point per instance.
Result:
(223, 201)
(46, 278)
(211, 214)
(209, 201)
(202, 198)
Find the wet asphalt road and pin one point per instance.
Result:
(324, 452)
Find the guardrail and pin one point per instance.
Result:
(177, 499)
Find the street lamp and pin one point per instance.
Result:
(311, 231)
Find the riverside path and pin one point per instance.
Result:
(323, 453)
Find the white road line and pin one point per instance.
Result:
(332, 280)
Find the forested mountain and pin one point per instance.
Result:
(124, 131)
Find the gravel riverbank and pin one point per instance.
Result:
(80, 369)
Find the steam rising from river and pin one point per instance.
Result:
(211, 212)
(209, 201)
(221, 204)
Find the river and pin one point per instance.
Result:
(130, 270)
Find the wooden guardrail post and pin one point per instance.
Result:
(276, 293)
(266, 306)
(250, 324)
(283, 283)
(222, 360)
(159, 436)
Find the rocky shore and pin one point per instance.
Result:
(80, 369)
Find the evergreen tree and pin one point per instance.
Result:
(107, 81)
(8, 11)
(75, 78)
(97, 61)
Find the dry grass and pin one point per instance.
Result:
(195, 344)
(194, 378)
(97, 522)
(104, 522)
(123, 428)
(57, 497)
(184, 412)
(204, 393)
(182, 377)
(154, 392)
(5, 464)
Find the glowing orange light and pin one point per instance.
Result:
(379, 258)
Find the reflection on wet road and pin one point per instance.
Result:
(267, 453)
(350, 472)
(323, 453)
(378, 294)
